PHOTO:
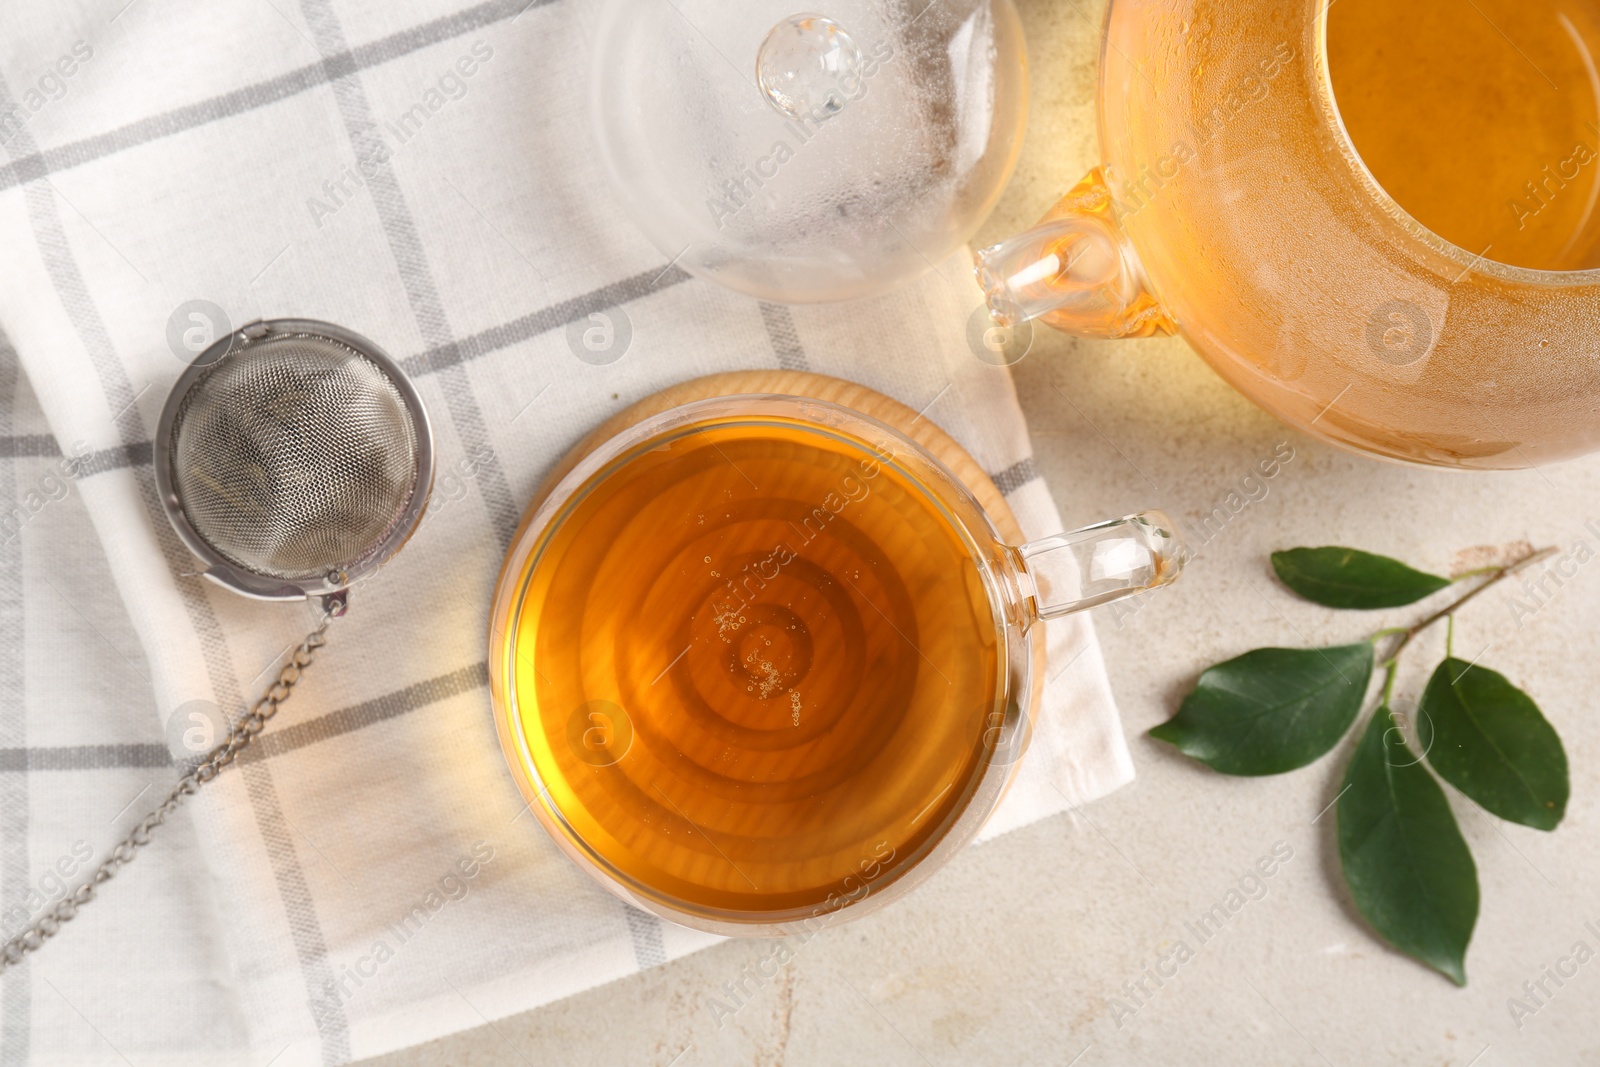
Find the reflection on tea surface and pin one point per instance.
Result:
(753, 657)
(1481, 118)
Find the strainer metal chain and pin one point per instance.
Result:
(239, 737)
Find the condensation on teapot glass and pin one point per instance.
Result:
(803, 156)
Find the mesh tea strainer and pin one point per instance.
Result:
(293, 458)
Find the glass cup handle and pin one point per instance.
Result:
(1075, 270)
(1107, 561)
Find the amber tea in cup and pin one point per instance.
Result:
(755, 659)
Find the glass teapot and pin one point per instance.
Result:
(1234, 207)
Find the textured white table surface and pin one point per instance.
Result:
(1013, 954)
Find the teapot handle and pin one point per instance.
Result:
(1075, 270)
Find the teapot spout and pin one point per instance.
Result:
(1075, 270)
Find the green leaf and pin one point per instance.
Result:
(1351, 578)
(1487, 738)
(1404, 859)
(1271, 710)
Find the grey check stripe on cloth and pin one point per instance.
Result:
(777, 320)
(120, 397)
(15, 877)
(1015, 476)
(1007, 481)
(34, 444)
(83, 757)
(269, 745)
(434, 360)
(415, 273)
(33, 164)
(544, 320)
(779, 323)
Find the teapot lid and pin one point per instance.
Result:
(803, 157)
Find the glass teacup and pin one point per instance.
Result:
(762, 660)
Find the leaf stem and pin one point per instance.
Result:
(1449, 636)
(1496, 574)
(1391, 669)
(1475, 572)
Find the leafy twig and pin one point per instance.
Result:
(1404, 860)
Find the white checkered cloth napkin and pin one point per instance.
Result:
(363, 881)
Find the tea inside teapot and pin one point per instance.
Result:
(1481, 122)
